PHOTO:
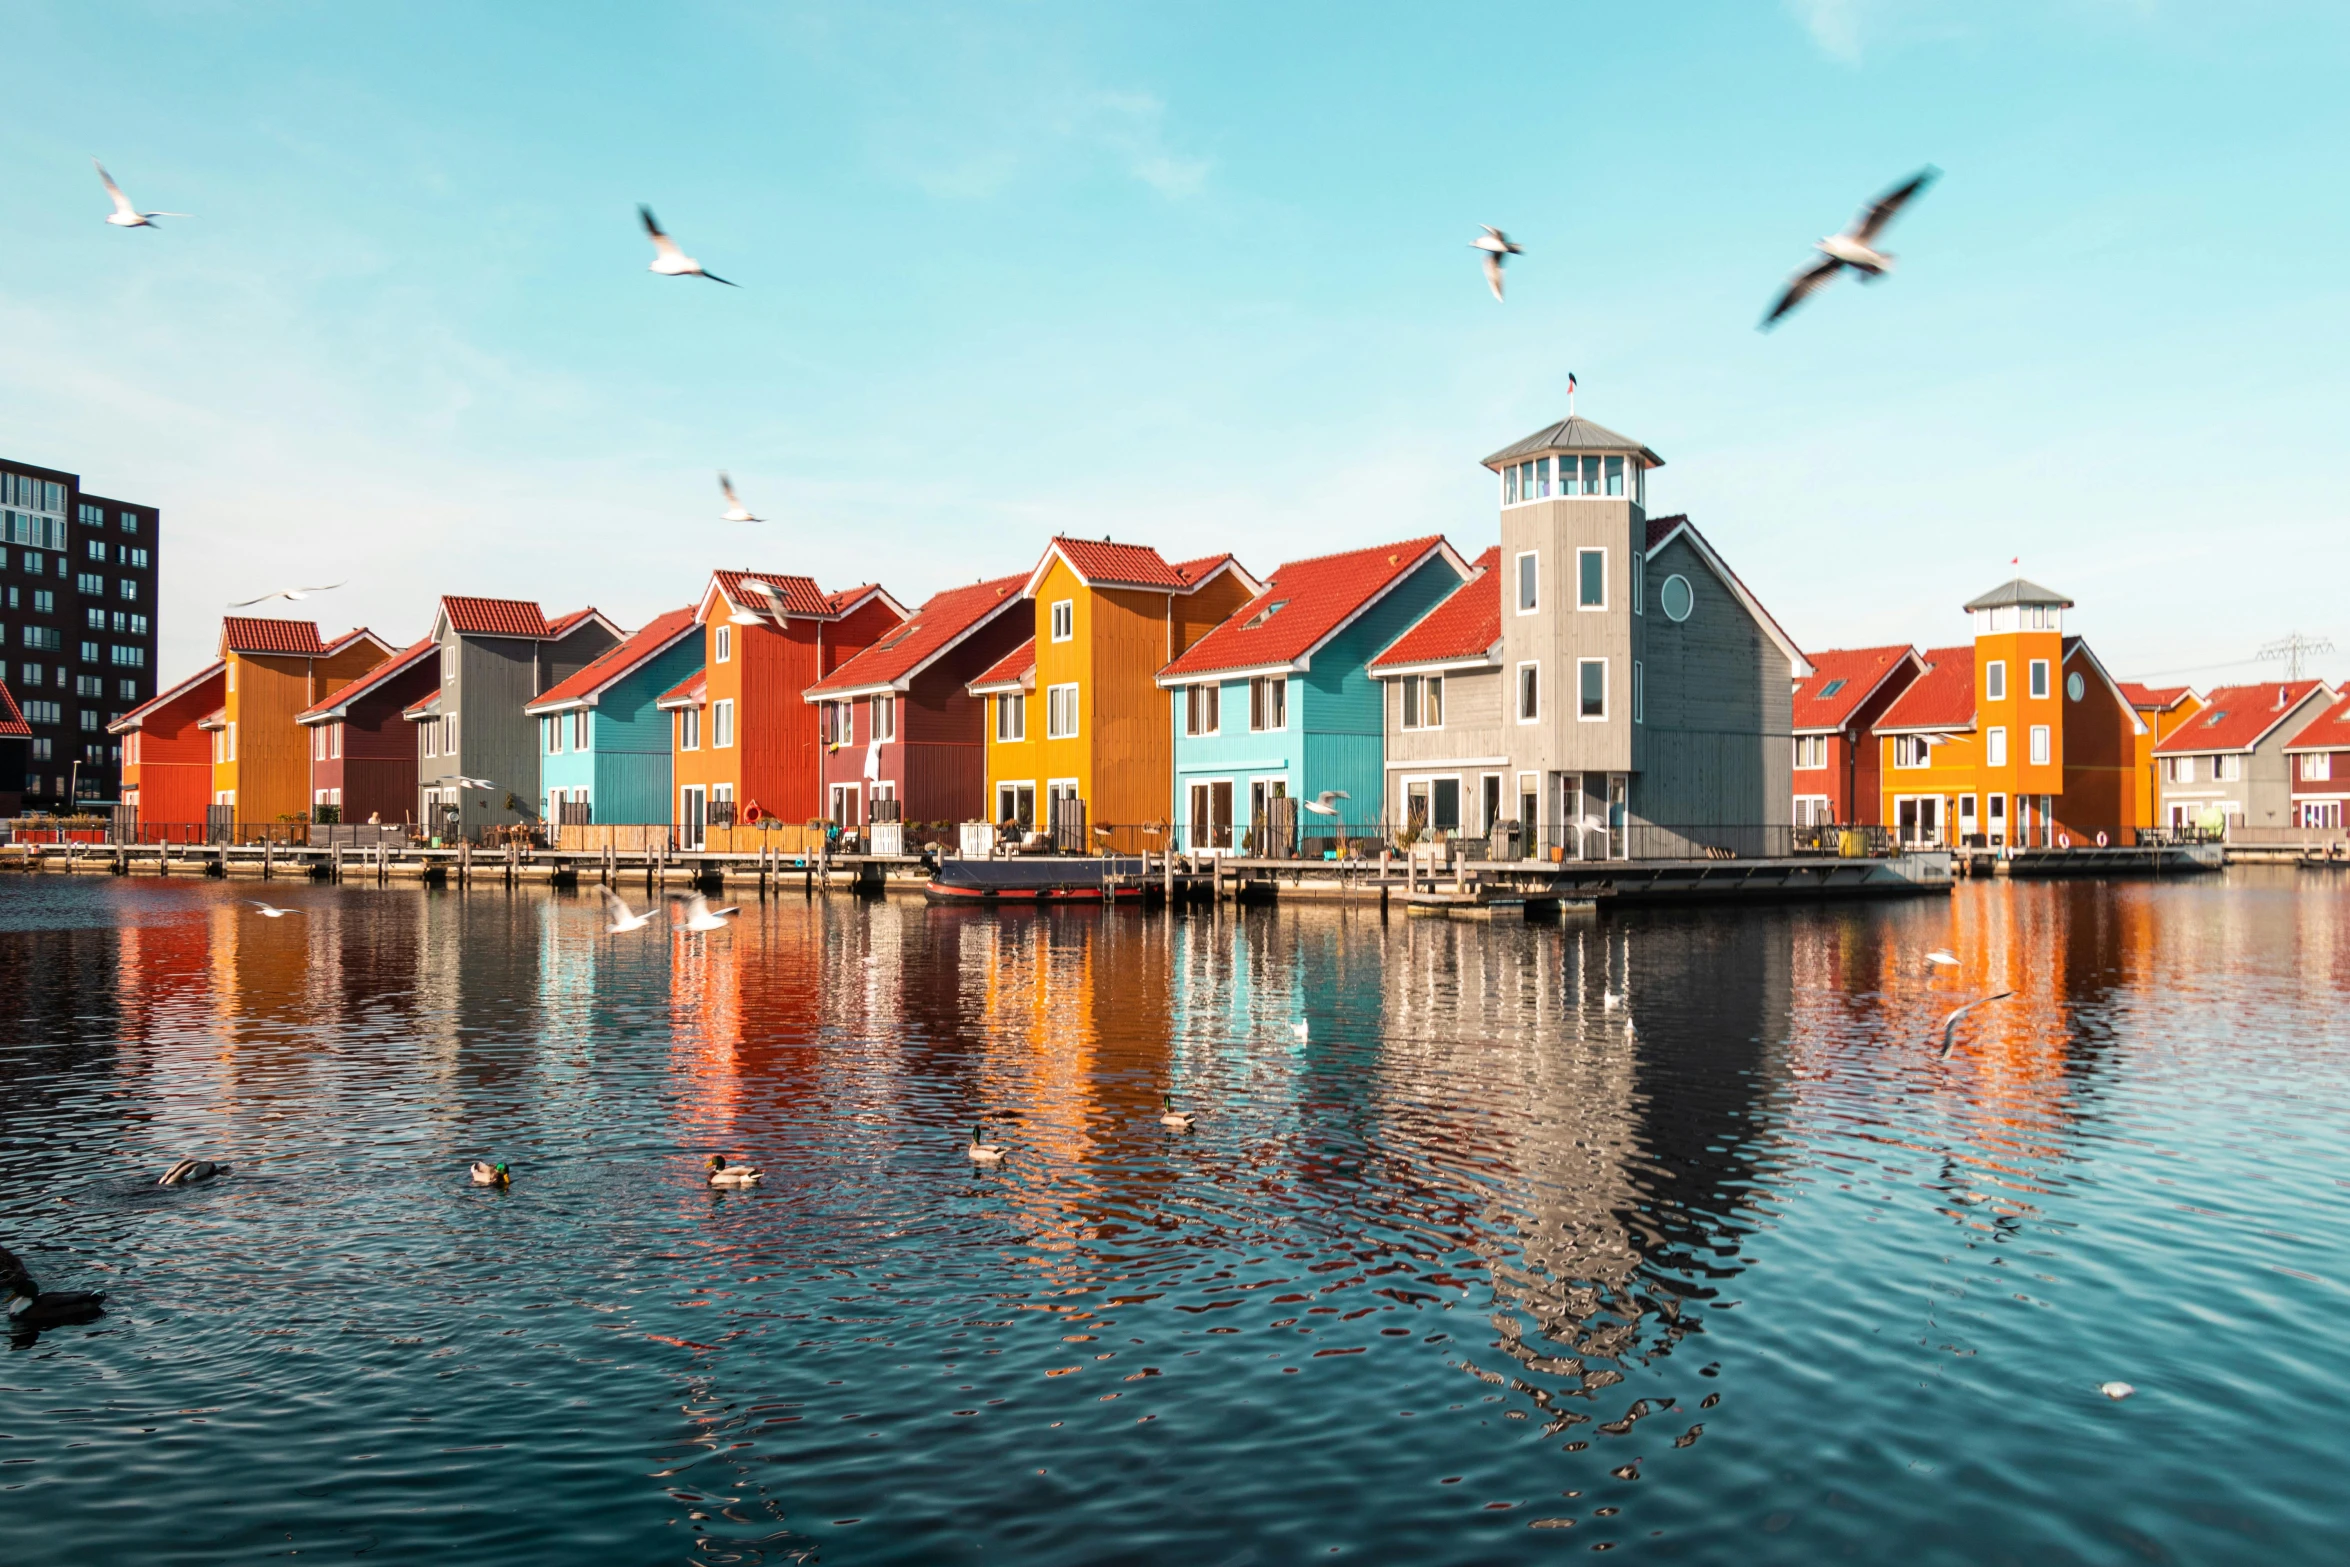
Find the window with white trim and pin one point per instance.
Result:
(2039, 745)
(1591, 579)
(722, 644)
(722, 724)
(2178, 769)
(1639, 583)
(1995, 745)
(884, 716)
(1639, 693)
(1060, 712)
(1811, 751)
(1591, 689)
(1529, 582)
(1011, 716)
(2317, 767)
(1529, 693)
(1268, 703)
(2039, 677)
(1995, 680)
(2227, 769)
(1203, 709)
(1064, 619)
(1423, 701)
(689, 729)
(579, 729)
(1912, 751)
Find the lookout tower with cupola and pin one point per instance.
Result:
(2019, 711)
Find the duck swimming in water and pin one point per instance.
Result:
(985, 1153)
(487, 1174)
(30, 1309)
(189, 1171)
(724, 1174)
(1179, 1119)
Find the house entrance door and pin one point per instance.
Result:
(692, 813)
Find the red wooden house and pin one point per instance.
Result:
(1836, 707)
(898, 720)
(2318, 760)
(167, 757)
(744, 745)
(362, 747)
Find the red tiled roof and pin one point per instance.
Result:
(2160, 699)
(2328, 731)
(1309, 600)
(416, 709)
(1661, 528)
(2237, 718)
(630, 652)
(256, 634)
(1203, 568)
(495, 617)
(137, 716)
(1013, 668)
(12, 724)
(1854, 673)
(1099, 563)
(406, 658)
(1941, 698)
(687, 692)
(1466, 625)
(837, 602)
(800, 595)
(941, 622)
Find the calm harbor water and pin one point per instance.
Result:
(1481, 1269)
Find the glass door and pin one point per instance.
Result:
(691, 815)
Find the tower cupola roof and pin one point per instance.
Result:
(1573, 434)
(2018, 591)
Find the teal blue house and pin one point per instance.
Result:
(603, 744)
(1277, 704)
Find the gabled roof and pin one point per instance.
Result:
(1100, 563)
(656, 637)
(136, 718)
(478, 617)
(2328, 731)
(1303, 605)
(2018, 591)
(2080, 646)
(1663, 530)
(1464, 629)
(2238, 718)
(1941, 698)
(260, 634)
(1844, 678)
(745, 591)
(425, 706)
(356, 634)
(688, 692)
(339, 704)
(2153, 699)
(943, 622)
(12, 724)
(1015, 671)
(1572, 434)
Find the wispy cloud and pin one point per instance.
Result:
(1834, 25)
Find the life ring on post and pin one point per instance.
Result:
(2064, 840)
(753, 815)
(2101, 839)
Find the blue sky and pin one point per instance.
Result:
(1196, 276)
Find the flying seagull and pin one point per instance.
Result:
(473, 783)
(669, 260)
(1320, 805)
(773, 594)
(1950, 1022)
(270, 913)
(291, 594)
(735, 511)
(1856, 247)
(700, 916)
(1496, 246)
(1941, 957)
(124, 215)
(623, 918)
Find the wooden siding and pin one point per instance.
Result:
(1716, 745)
(173, 774)
(271, 772)
(2100, 756)
(1558, 635)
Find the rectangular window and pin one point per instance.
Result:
(1060, 712)
(1811, 751)
(2039, 668)
(44, 602)
(130, 524)
(885, 717)
(689, 729)
(1011, 719)
(1995, 681)
(318, 744)
(1591, 579)
(47, 638)
(1639, 693)
(449, 735)
(91, 584)
(95, 619)
(2039, 745)
(1202, 709)
(2227, 769)
(579, 730)
(1995, 745)
(432, 736)
(1615, 476)
(2317, 767)
(1423, 701)
(1911, 751)
(1064, 619)
(126, 587)
(1509, 485)
(1591, 688)
(722, 724)
(1529, 693)
(1268, 703)
(1639, 583)
(551, 735)
(1015, 805)
(1529, 582)
(722, 644)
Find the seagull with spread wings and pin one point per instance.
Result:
(735, 511)
(670, 261)
(291, 594)
(1855, 248)
(1497, 247)
(1321, 804)
(124, 215)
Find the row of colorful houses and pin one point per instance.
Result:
(1600, 683)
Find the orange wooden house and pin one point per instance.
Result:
(744, 746)
(167, 758)
(272, 670)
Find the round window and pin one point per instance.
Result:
(2075, 686)
(1676, 597)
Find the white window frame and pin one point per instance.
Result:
(689, 729)
(2317, 767)
(1911, 751)
(1519, 690)
(1411, 712)
(1055, 698)
(1268, 695)
(1208, 695)
(1586, 550)
(1529, 562)
(722, 645)
(2037, 675)
(1464, 805)
(581, 731)
(1012, 705)
(1995, 681)
(2224, 769)
(1811, 753)
(881, 717)
(1016, 785)
(1639, 581)
(1064, 620)
(1995, 746)
(1639, 693)
(2041, 745)
(722, 724)
(1601, 716)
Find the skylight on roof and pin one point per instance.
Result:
(2213, 721)
(912, 626)
(1830, 689)
(1265, 614)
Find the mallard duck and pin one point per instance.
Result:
(487, 1174)
(1179, 1119)
(30, 1309)
(189, 1171)
(724, 1174)
(986, 1153)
